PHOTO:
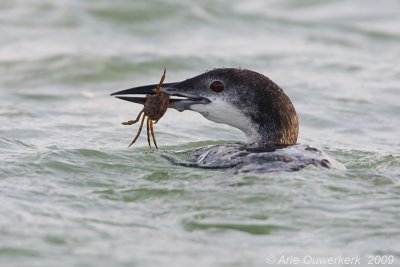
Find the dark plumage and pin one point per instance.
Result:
(252, 103)
(260, 99)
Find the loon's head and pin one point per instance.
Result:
(241, 98)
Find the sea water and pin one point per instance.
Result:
(73, 194)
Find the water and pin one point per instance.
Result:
(73, 194)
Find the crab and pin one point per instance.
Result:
(154, 108)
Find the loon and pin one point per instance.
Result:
(251, 102)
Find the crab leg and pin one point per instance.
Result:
(148, 131)
(135, 121)
(139, 131)
(152, 134)
(158, 88)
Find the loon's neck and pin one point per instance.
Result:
(271, 136)
(275, 124)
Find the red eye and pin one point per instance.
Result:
(217, 86)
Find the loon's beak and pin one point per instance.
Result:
(180, 100)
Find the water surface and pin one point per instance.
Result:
(73, 194)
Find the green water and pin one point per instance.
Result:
(73, 194)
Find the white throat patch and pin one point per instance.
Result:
(222, 112)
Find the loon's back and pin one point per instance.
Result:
(243, 159)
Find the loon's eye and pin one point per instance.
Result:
(217, 86)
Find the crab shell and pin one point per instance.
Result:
(156, 106)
